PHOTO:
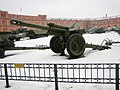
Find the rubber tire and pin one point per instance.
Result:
(2, 53)
(54, 44)
(17, 39)
(75, 45)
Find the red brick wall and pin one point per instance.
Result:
(42, 19)
(106, 22)
(5, 20)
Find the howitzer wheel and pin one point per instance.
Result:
(75, 45)
(17, 39)
(2, 52)
(55, 44)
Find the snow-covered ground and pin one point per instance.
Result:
(47, 56)
(25, 85)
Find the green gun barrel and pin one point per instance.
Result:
(53, 29)
(57, 26)
(21, 23)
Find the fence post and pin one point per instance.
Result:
(117, 76)
(56, 77)
(6, 76)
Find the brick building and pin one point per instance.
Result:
(105, 22)
(5, 20)
(42, 19)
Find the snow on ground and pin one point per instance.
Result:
(47, 56)
(25, 85)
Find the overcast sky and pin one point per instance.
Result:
(63, 8)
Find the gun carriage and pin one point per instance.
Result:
(64, 37)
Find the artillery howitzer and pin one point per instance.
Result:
(115, 29)
(7, 43)
(24, 32)
(96, 30)
(64, 37)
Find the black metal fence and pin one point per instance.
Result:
(69, 73)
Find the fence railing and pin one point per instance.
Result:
(69, 73)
